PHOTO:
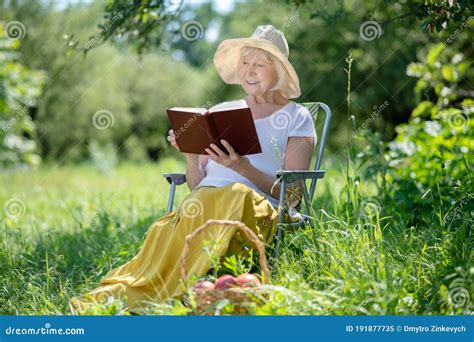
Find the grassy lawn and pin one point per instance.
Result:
(68, 226)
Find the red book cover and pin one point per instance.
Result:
(197, 128)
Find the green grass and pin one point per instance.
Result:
(75, 224)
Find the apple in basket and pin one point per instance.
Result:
(248, 280)
(203, 286)
(225, 282)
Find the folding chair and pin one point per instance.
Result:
(285, 177)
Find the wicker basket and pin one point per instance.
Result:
(207, 302)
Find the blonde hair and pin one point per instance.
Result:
(279, 69)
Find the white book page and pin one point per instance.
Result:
(190, 109)
(237, 104)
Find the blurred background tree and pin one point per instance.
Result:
(19, 90)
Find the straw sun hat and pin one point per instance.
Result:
(265, 37)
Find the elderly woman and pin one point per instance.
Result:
(224, 184)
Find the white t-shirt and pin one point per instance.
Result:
(292, 120)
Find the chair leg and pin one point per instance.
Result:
(169, 208)
(307, 200)
(279, 235)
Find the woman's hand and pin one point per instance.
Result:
(233, 160)
(172, 139)
(194, 158)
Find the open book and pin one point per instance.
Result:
(197, 128)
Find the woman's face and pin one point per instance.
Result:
(257, 75)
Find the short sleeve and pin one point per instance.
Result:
(302, 124)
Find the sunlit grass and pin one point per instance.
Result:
(75, 224)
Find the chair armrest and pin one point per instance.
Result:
(177, 178)
(294, 175)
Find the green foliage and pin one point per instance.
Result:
(433, 14)
(436, 144)
(431, 151)
(140, 23)
(438, 14)
(19, 89)
(419, 189)
(444, 70)
(422, 184)
(238, 264)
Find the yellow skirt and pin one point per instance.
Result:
(154, 273)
